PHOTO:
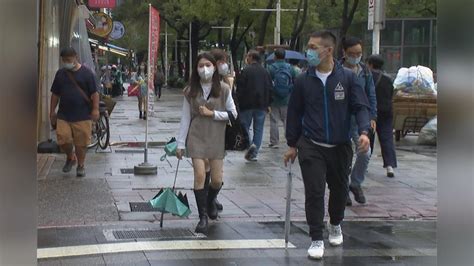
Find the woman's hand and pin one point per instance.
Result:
(179, 154)
(204, 111)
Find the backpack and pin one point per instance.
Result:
(282, 82)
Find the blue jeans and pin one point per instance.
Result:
(258, 118)
(362, 159)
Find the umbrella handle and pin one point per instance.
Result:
(176, 175)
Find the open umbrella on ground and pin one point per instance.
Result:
(289, 54)
(288, 205)
(168, 201)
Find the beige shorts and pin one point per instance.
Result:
(77, 133)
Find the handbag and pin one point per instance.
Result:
(236, 137)
(133, 90)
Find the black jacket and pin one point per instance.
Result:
(323, 113)
(383, 91)
(254, 87)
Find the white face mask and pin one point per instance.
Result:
(223, 69)
(206, 73)
(69, 66)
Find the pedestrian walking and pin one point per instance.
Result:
(352, 59)
(319, 113)
(75, 89)
(254, 87)
(282, 74)
(142, 81)
(206, 107)
(159, 81)
(295, 64)
(384, 92)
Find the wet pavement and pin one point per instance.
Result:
(365, 243)
(71, 210)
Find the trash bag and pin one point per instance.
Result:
(428, 134)
(415, 80)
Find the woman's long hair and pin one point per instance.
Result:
(195, 81)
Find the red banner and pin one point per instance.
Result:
(102, 3)
(153, 44)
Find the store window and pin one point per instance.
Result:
(413, 56)
(392, 34)
(417, 32)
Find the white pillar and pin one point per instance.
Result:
(376, 39)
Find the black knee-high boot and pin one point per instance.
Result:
(207, 183)
(201, 200)
(211, 207)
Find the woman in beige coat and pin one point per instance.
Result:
(206, 108)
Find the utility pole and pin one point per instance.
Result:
(376, 22)
(278, 10)
(166, 53)
(190, 50)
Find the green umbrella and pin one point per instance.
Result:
(168, 201)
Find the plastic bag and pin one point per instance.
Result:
(415, 80)
(428, 134)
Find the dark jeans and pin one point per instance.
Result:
(385, 133)
(321, 165)
(158, 90)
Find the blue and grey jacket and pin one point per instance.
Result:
(323, 113)
(367, 81)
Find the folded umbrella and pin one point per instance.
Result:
(288, 206)
(168, 201)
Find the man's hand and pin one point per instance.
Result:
(364, 143)
(53, 118)
(373, 125)
(95, 115)
(290, 155)
(179, 154)
(204, 111)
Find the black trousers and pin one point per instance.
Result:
(321, 165)
(385, 133)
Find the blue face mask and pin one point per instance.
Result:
(353, 60)
(313, 57)
(69, 66)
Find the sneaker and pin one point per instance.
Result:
(273, 146)
(68, 166)
(335, 235)
(358, 194)
(251, 152)
(80, 171)
(253, 158)
(349, 201)
(316, 250)
(390, 172)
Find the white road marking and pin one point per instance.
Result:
(70, 251)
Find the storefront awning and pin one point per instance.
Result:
(109, 47)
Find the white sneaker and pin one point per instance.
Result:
(316, 250)
(335, 235)
(390, 172)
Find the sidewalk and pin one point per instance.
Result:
(252, 191)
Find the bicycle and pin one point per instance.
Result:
(101, 129)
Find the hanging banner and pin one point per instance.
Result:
(153, 44)
(102, 3)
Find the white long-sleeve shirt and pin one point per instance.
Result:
(218, 115)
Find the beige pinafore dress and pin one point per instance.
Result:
(206, 136)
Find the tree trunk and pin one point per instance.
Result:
(347, 17)
(298, 26)
(264, 23)
(236, 41)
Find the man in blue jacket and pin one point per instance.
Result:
(352, 59)
(318, 132)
